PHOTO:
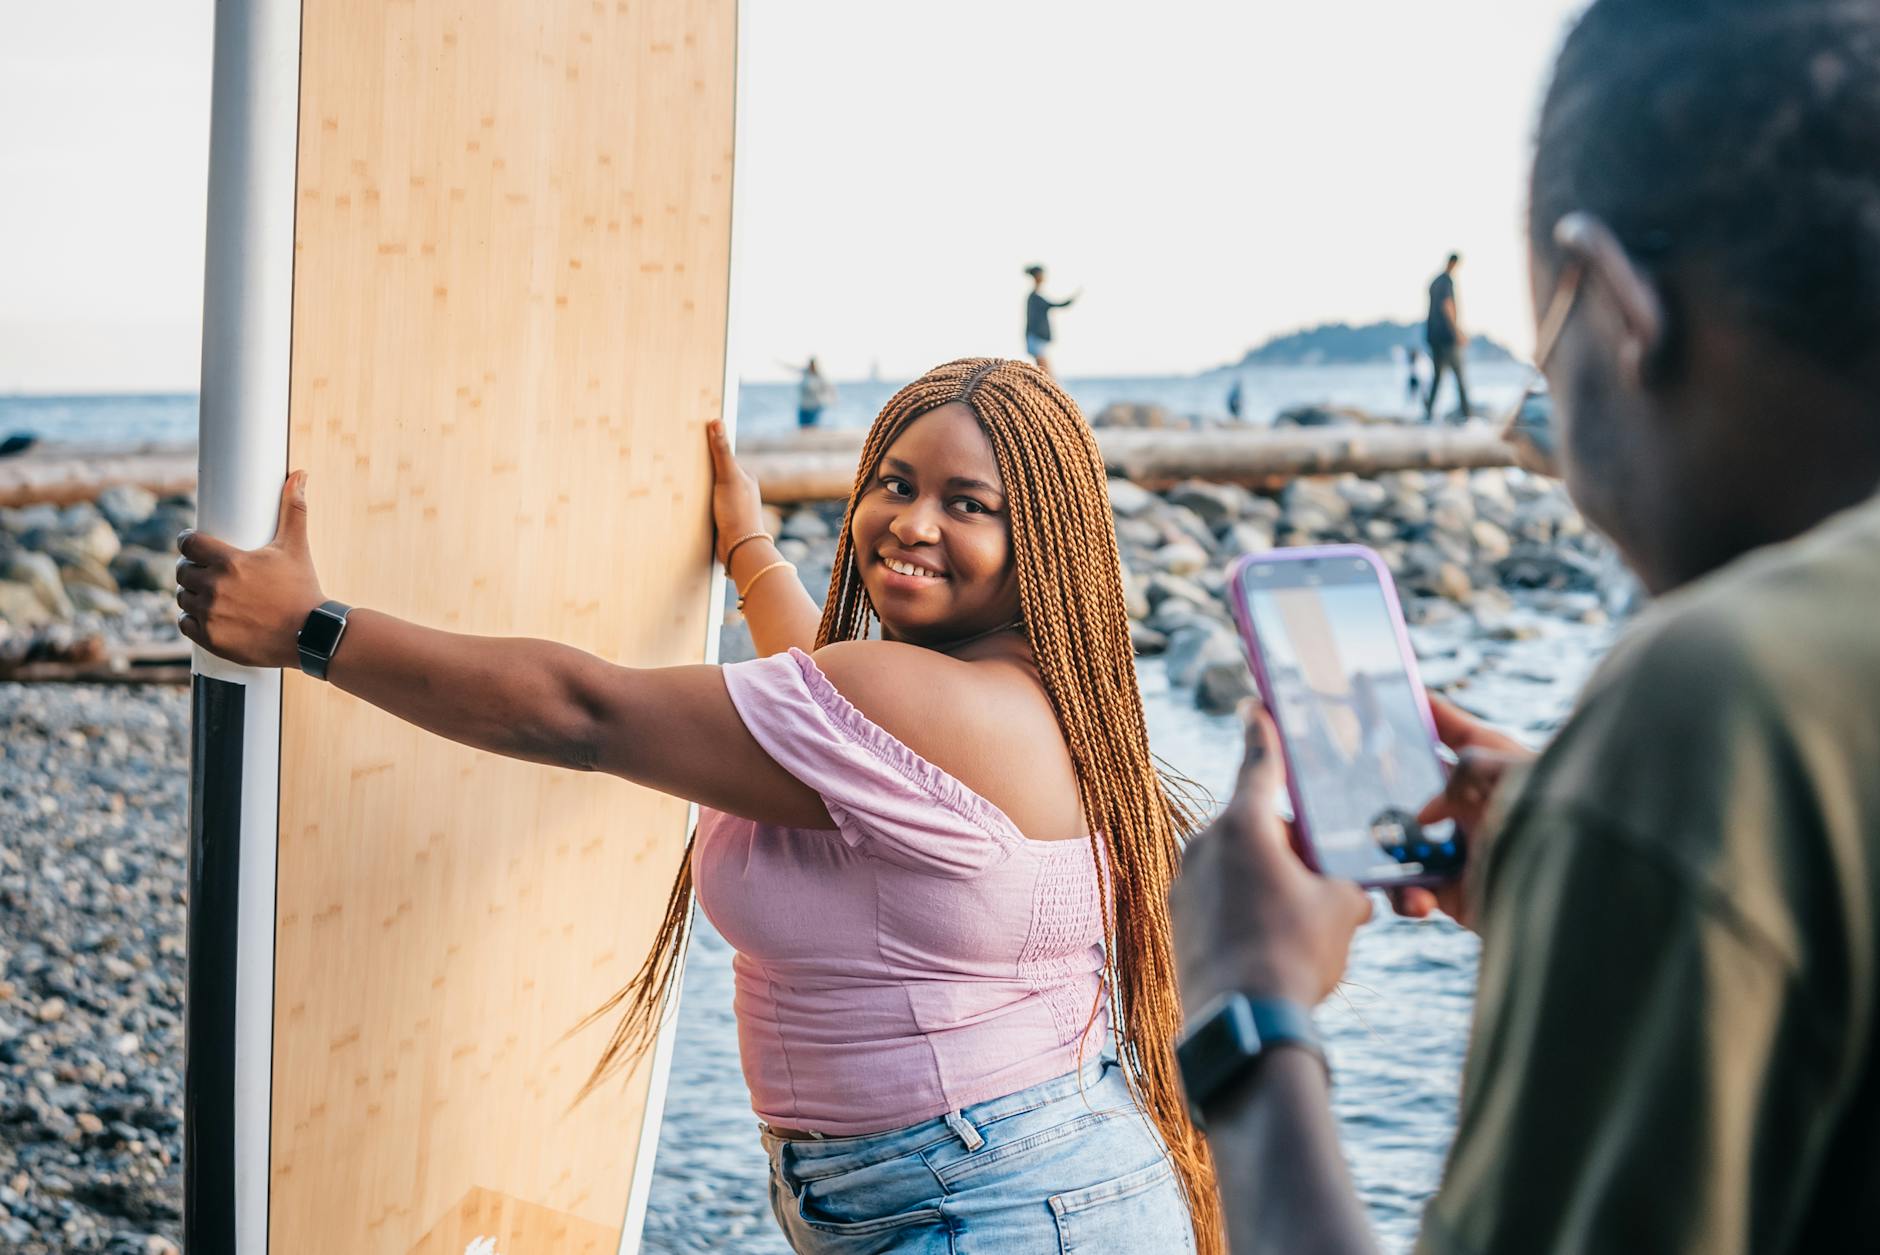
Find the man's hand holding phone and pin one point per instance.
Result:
(1483, 757)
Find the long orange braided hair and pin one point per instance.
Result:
(1072, 607)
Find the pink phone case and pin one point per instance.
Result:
(1256, 660)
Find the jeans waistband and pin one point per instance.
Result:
(940, 1128)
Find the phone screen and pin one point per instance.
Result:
(1362, 759)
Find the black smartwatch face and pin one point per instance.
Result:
(1217, 1049)
(321, 633)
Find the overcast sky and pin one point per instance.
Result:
(1208, 173)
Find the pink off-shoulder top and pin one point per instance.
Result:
(922, 956)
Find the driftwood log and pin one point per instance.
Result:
(820, 465)
(89, 661)
(63, 474)
(1258, 457)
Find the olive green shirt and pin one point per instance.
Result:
(1674, 1040)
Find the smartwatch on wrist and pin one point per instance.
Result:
(1224, 1042)
(320, 635)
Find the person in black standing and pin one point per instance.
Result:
(1446, 341)
(1038, 319)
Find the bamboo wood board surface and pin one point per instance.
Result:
(511, 271)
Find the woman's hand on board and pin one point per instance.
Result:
(1249, 916)
(737, 504)
(1483, 758)
(247, 605)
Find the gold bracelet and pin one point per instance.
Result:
(746, 590)
(732, 552)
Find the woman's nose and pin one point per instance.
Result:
(915, 525)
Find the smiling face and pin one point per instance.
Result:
(932, 533)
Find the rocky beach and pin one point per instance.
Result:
(1492, 564)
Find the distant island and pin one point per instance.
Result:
(1341, 344)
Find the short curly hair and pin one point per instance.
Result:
(1738, 136)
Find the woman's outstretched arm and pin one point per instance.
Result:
(673, 729)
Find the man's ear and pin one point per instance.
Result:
(1587, 240)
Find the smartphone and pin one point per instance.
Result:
(1325, 638)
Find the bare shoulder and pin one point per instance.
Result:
(986, 722)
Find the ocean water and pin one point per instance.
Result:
(767, 408)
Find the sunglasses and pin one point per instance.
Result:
(1529, 427)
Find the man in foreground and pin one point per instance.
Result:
(1678, 1014)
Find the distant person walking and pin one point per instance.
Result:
(1038, 320)
(1235, 400)
(813, 396)
(1413, 375)
(1446, 340)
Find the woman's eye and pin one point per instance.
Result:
(970, 506)
(896, 487)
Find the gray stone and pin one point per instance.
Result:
(1186, 644)
(1364, 496)
(1177, 613)
(1491, 543)
(1452, 581)
(1429, 611)
(1163, 585)
(1181, 557)
(1456, 548)
(88, 599)
(1379, 531)
(1130, 500)
(1308, 522)
(805, 524)
(1315, 494)
(1181, 523)
(78, 516)
(143, 570)
(1135, 594)
(1409, 507)
(30, 518)
(77, 567)
(1219, 645)
(1501, 511)
(1546, 519)
(1223, 685)
(1451, 512)
(1138, 533)
(41, 574)
(21, 607)
(1247, 537)
(126, 505)
(1214, 504)
(1262, 510)
(158, 532)
(92, 539)
(1146, 640)
(1490, 605)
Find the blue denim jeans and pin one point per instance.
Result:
(1061, 1167)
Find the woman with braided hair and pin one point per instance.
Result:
(942, 856)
